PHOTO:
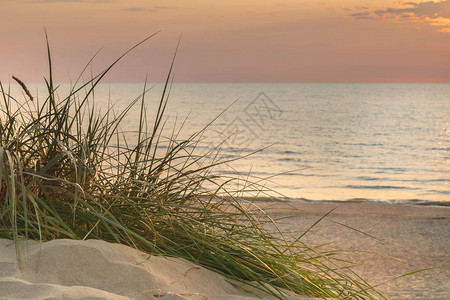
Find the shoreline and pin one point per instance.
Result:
(355, 200)
(409, 238)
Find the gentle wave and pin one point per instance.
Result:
(367, 200)
(379, 187)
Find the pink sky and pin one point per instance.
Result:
(230, 41)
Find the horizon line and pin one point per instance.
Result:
(250, 82)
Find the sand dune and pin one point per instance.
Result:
(92, 269)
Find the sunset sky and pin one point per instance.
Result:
(230, 41)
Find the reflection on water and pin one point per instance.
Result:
(380, 142)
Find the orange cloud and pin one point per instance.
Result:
(431, 12)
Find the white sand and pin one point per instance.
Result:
(92, 269)
(67, 269)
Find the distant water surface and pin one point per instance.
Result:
(337, 141)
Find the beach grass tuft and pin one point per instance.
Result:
(67, 170)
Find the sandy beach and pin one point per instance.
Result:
(414, 237)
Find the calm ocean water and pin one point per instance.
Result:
(338, 141)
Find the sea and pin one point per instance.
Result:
(363, 142)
